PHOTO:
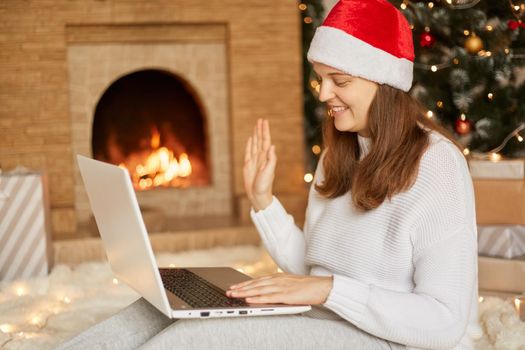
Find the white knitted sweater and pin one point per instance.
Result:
(405, 271)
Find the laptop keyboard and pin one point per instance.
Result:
(195, 290)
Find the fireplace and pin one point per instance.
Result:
(63, 59)
(152, 123)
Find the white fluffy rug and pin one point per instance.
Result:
(41, 313)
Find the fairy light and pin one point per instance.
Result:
(7, 328)
(308, 177)
(430, 5)
(490, 96)
(480, 299)
(455, 61)
(316, 149)
(115, 281)
(495, 157)
(466, 151)
(279, 269)
(520, 139)
(66, 300)
(303, 7)
(433, 68)
(308, 20)
(463, 116)
(489, 28)
(403, 6)
(439, 104)
(466, 32)
(20, 291)
(430, 114)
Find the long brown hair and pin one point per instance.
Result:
(397, 144)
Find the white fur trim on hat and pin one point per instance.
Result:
(342, 51)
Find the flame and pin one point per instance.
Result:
(160, 168)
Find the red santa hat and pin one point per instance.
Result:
(370, 39)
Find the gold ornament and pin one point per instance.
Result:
(473, 44)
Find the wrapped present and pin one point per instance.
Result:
(502, 275)
(509, 169)
(24, 226)
(503, 241)
(500, 202)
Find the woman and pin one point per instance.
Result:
(388, 255)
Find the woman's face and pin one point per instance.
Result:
(348, 98)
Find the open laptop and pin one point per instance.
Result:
(189, 292)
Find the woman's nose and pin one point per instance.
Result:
(325, 92)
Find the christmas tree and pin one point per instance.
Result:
(468, 71)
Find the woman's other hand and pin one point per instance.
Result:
(259, 166)
(284, 288)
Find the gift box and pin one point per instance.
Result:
(500, 202)
(503, 241)
(24, 226)
(502, 275)
(505, 169)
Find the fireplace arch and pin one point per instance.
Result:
(146, 111)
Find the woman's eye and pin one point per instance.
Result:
(341, 83)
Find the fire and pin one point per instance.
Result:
(160, 168)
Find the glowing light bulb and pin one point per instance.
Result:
(520, 139)
(21, 291)
(495, 157)
(302, 7)
(466, 151)
(403, 6)
(308, 177)
(66, 300)
(480, 299)
(316, 149)
(279, 269)
(115, 281)
(430, 114)
(434, 68)
(6, 328)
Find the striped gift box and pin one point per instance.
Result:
(24, 229)
(502, 241)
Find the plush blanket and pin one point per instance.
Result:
(41, 313)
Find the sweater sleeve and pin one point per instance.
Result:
(434, 315)
(282, 238)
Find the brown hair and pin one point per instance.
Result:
(397, 144)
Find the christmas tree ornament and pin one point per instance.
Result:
(473, 44)
(426, 40)
(463, 126)
(379, 48)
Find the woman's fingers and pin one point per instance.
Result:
(260, 134)
(261, 290)
(255, 280)
(248, 150)
(267, 140)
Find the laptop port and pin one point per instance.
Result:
(243, 312)
(205, 314)
(267, 310)
(231, 312)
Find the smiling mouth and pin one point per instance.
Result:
(335, 111)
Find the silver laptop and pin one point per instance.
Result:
(181, 292)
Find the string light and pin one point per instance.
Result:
(430, 5)
(316, 149)
(303, 7)
(308, 177)
(115, 281)
(466, 151)
(495, 157)
(430, 114)
(439, 104)
(308, 20)
(480, 299)
(7, 328)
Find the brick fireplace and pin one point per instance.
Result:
(240, 59)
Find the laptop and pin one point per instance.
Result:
(179, 292)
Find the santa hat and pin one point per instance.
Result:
(370, 39)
